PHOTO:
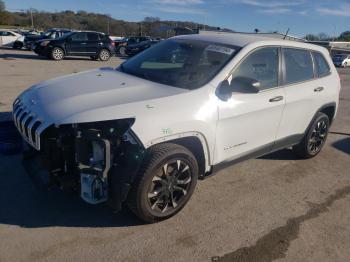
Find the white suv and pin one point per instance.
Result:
(143, 133)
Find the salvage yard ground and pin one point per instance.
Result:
(273, 208)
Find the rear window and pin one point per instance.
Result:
(321, 64)
(92, 36)
(79, 37)
(299, 66)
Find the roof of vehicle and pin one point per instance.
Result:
(243, 39)
(87, 31)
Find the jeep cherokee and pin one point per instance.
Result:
(143, 133)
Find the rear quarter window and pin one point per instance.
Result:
(298, 65)
(92, 36)
(321, 64)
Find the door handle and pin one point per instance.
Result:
(319, 89)
(83, 43)
(276, 99)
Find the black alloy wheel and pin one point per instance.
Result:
(318, 136)
(169, 186)
(164, 184)
(315, 137)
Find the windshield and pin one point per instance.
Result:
(187, 64)
(47, 33)
(65, 35)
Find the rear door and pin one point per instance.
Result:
(76, 44)
(302, 90)
(93, 44)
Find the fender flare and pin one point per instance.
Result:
(333, 104)
(195, 134)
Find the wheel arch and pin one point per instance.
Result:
(329, 109)
(195, 142)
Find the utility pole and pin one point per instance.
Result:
(108, 23)
(31, 17)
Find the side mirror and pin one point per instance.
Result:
(243, 85)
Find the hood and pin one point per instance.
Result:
(64, 99)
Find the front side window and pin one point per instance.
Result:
(187, 64)
(321, 64)
(261, 66)
(79, 37)
(299, 66)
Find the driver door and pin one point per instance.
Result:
(248, 122)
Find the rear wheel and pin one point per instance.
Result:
(104, 55)
(315, 138)
(164, 184)
(122, 51)
(57, 53)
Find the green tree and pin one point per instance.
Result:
(345, 36)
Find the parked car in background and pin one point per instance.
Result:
(30, 40)
(132, 40)
(81, 43)
(341, 60)
(134, 49)
(144, 133)
(9, 37)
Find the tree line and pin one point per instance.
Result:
(82, 20)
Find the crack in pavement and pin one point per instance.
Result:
(275, 244)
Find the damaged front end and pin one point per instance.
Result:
(99, 159)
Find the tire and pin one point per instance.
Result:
(57, 53)
(315, 138)
(104, 55)
(18, 45)
(164, 184)
(122, 51)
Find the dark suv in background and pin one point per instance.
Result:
(30, 40)
(83, 43)
(121, 45)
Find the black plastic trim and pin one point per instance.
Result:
(264, 150)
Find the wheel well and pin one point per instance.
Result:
(195, 146)
(104, 48)
(329, 111)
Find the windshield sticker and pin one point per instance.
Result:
(220, 49)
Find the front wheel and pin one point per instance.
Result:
(165, 183)
(57, 53)
(315, 138)
(18, 45)
(122, 51)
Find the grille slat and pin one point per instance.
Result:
(27, 124)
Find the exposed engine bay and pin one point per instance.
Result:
(99, 160)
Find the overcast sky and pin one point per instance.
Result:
(302, 16)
